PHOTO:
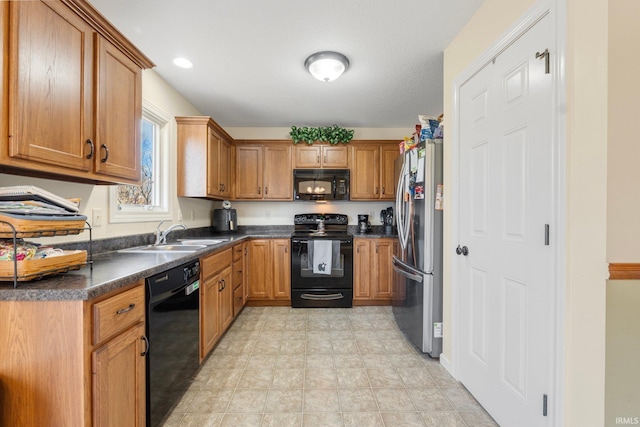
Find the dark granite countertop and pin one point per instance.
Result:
(112, 270)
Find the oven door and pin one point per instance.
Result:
(309, 289)
(302, 275)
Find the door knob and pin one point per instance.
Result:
(462, 250)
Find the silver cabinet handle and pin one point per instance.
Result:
(125, 310)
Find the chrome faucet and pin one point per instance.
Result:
(161, 236)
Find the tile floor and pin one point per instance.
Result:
(278, 366)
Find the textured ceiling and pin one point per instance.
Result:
(248, 56)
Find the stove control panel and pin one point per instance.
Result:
(304, 219)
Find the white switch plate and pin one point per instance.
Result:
(96, 217)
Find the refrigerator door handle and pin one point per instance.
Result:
(402, 209)
(407, 271)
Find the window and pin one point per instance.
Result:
(150, 200)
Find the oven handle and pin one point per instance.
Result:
(329, 297)
(306, 241)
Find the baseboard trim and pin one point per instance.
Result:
(624, 271)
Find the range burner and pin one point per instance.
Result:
(320, 225)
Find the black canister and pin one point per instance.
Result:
(225, 220)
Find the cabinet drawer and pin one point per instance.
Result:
(237, 274)
(237, 300)
(237, 252)
(117, 313)
(216, 262)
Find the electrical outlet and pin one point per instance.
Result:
(179, 215)
(193, 215)
(96, 217)
(267, 214)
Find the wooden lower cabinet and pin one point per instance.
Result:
(216, 299)
(373, 270)
(74, 363)
(238, 278)
(119, 380)
(269, 271)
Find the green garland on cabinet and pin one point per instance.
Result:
(331, 134)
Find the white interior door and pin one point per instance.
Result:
(505, 346)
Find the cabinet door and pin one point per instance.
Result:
(281, 261)
(214, 186)
(362, 265)
(210, 326)
(335, 156)
(225, 299)
(119, 85)
(365, 176)
(118, 369)
(50, 75)
(307, 156)
(259, 271)
(383, 284)
(249, 161)
(388, 179)
(278, 174)
(224, 168)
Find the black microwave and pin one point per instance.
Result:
(321, 184)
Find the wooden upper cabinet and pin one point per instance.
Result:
(263, 171)
(50, 75)
(278, 175)
(320, 156)
(388, 174)
(365, 172)
(204, 158)
(373, 175)
(119, 118)
(218, 165)
(73, 99)
(249, 161)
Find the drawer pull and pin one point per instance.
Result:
(125, 310)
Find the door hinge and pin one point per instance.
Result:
(546, 234)
(544, 55)
(544, 405)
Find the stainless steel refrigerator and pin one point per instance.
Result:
(417, 294)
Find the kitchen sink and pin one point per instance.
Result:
(206, 242)
(174, 248)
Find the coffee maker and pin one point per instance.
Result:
(363, 223)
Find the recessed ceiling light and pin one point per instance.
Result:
(182, 63)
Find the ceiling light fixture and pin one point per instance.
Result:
(326, 66)
(182, 63)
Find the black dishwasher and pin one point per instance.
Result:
(173, 323)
